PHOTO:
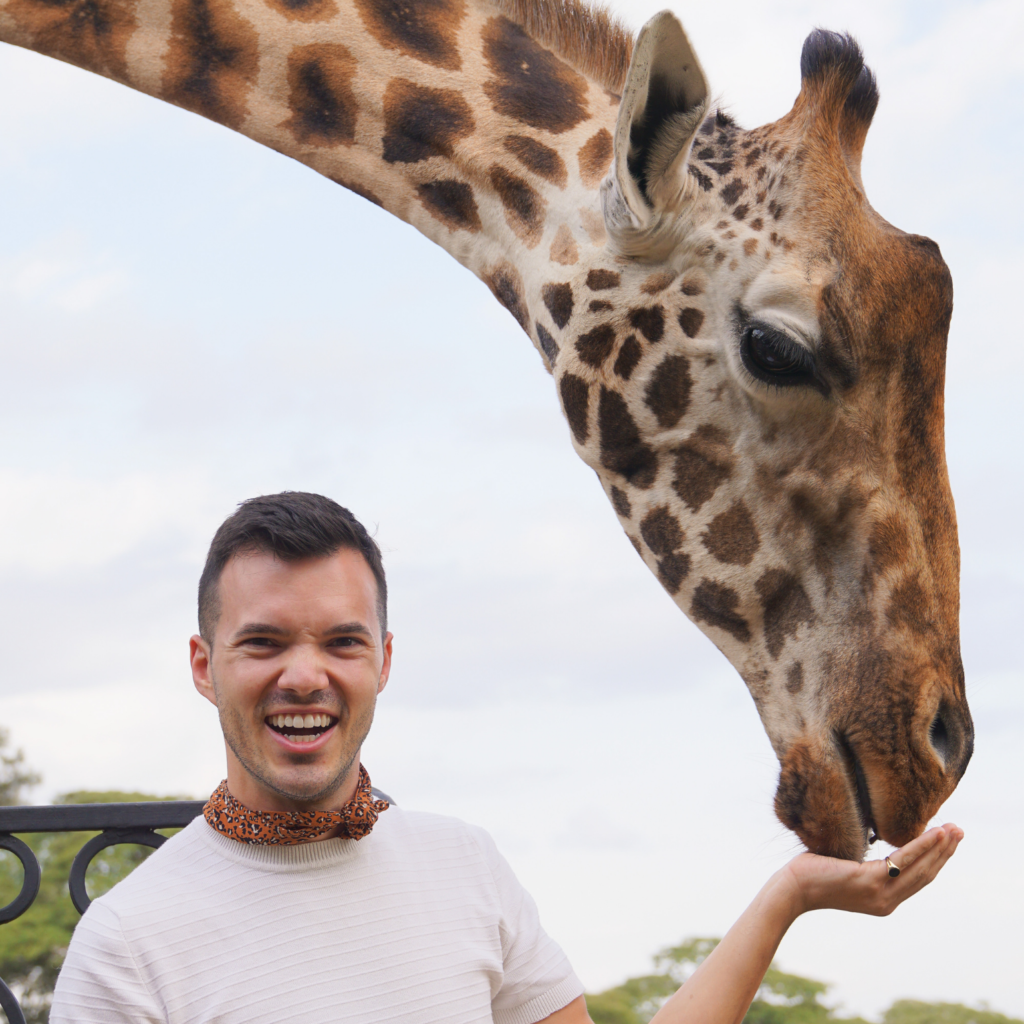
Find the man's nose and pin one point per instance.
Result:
(304, 670)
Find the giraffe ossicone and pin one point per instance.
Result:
(750, 358)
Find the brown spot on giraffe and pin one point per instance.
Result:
(420, 123)
(661, 531)
(705, 183)
(542, 160)
(507, 287)
(741, 212)
(657, 282)
(320, 95)
(595, 157)
(785, 606)
(451, 202)
(663, 535)
(212, 61)
(756, 224)
(530, 83)
(750, 246)
(649, 321)
(563, 248)
(691, 287)
(622, 449)
(732, 536)
(524, 207)
(599, 305)
(575, 394)
(628, 357)
(691, 320)
(620, 502)
(733, 191)
(596, 345)
(668, 391)
(795, 677)
(305, 10)
(702, 463)
(602, 280)
(558, 299)
(715, 604)
(548, 344)
(426, 30)
(93, 34)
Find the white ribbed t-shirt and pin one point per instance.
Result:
(421, 921)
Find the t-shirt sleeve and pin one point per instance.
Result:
(538, 978)
(100, 982)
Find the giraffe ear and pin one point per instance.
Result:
(663, 104)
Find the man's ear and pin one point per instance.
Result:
(385, 669)
(199, 655)
(663, 104)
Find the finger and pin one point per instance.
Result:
(905, 856)
(926, 866)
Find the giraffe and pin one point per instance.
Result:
(749, 357)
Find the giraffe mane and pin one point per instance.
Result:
(589, 37)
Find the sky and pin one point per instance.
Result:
(187, 320)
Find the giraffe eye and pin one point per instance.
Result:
(775, 358)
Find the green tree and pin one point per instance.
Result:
(781, 998)
(33, 947)
(909, 1011)
(14, 776)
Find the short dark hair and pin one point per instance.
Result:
(291, 526)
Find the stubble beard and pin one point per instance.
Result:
(249, 757)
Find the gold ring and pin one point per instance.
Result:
(894, 871)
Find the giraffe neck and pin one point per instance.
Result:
(448, 114)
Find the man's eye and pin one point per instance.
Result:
(260, 641)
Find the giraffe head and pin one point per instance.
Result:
(755, 369)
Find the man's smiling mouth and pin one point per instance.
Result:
(301, 728)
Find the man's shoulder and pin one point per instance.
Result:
(428, 836)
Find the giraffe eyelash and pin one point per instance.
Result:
(774, 358)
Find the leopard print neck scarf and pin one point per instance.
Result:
(275, 828)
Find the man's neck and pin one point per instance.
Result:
(251, 792)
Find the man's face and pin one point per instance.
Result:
(296, 643)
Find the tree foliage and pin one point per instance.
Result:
(14, 776)
(781, 998)
(33, 947)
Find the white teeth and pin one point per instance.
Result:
(300, 722)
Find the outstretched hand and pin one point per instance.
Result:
(822, 883)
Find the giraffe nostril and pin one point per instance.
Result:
(938, 736)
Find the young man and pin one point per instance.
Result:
(295, 897)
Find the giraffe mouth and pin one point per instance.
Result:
(859, 783)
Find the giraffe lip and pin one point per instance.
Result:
(856, 775)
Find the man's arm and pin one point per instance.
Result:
(721, 990)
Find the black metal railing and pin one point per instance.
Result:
(116, 823)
